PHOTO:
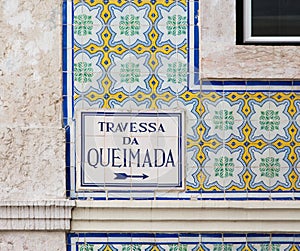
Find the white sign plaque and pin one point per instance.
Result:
(139, 150)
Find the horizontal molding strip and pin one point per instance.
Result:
(186, 216)
(36, 215)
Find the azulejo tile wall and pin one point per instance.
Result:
(247, 140)
(182, 242)
(242, 137)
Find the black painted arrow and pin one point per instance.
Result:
(124, 176)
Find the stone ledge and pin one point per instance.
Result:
(186, 216)
(36, 215)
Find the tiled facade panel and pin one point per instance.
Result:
(245, 141)
(182, 242)
(242, 137)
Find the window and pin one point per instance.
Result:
(269, 21)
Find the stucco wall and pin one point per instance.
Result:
(47, 241)
(31, 133)
(222, 58)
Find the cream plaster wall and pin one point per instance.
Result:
(222, 58)
(32, 140)
(46, 241)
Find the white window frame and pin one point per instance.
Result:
(248, 38)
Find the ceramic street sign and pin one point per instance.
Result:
(132, 150)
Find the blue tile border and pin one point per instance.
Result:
(250, 85)
(157, 239)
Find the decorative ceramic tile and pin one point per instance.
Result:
(242, 138)
(182, 242)
(249, 142)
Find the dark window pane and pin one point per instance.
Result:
(275, 17)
